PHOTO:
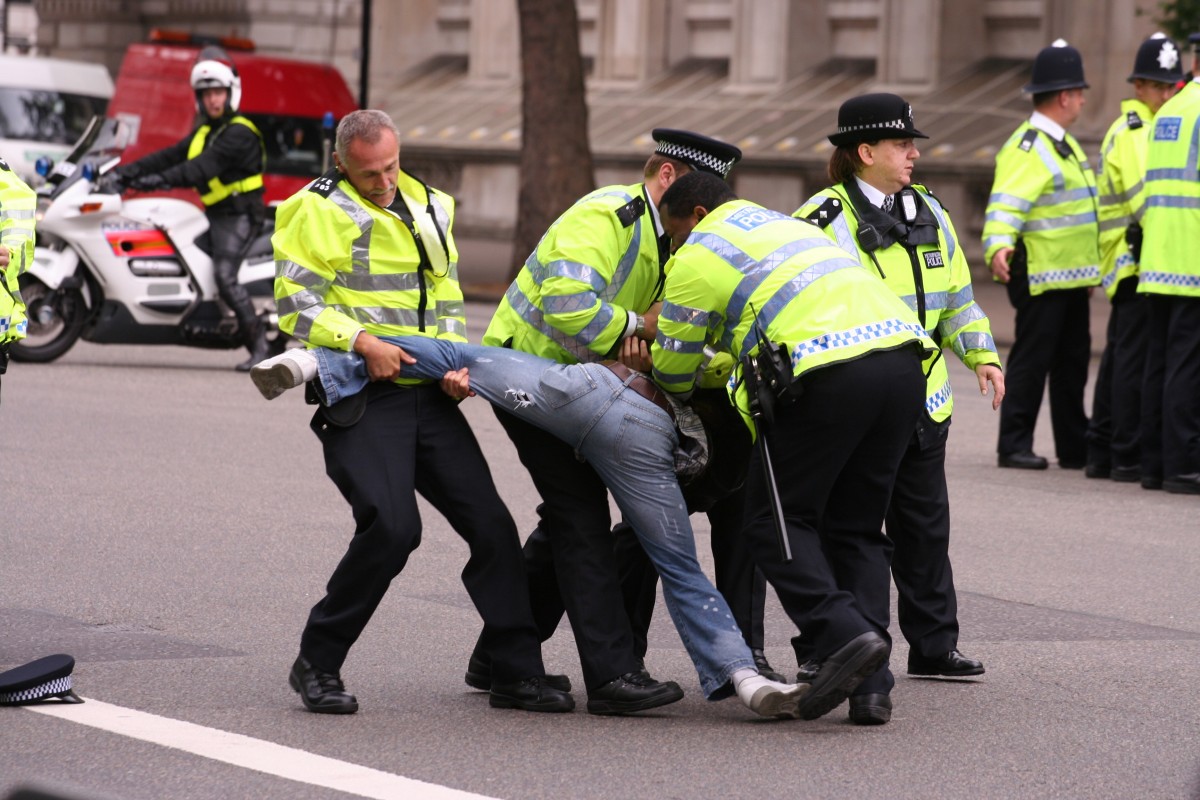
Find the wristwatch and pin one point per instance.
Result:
(639, 330)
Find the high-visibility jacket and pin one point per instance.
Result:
(1122, 168)
(1171, 223)
(1044, 197)
(218, 190)
(571, 300)
(745, 268)
(343, 263)
(18, 204)
(930, 275)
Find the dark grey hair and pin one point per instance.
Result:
(366, 124)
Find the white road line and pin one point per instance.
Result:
(250, 753)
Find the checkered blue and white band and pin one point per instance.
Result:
(896, 123)
(49, 689)
(687, 154)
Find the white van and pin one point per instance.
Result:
(45, 103)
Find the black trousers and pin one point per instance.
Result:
(1051, 340)
(1113, 435)
(836, 452)
(570, 557)
(226, 241)
(1171, 388)
(414, 440)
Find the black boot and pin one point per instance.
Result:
(256, 343)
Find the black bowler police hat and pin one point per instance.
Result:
(1158, 60)
(698, 152)
(45, 679)
(1056, 68)
(871, 117)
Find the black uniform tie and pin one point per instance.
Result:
(888, 202)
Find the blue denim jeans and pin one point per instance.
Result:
(626, 438)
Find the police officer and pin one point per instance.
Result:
(901, 232)
(17, 206)
(749, 282)
(1113, 431)
(1040, 238)
(223, 159)
(366, 251)
(1170, 277)
(592, 282)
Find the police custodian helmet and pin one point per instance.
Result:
(1056, 68)
(871, 117)
(1158, 60)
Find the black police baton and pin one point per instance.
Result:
(754, 385)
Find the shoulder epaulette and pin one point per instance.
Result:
(324, 184)
(1028, 139)
(631, 212)
(1133, 120)
(825, 213)
(925, 190)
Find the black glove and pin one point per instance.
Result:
(112, 183)
(148, 183)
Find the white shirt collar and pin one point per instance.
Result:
(874, 196)
(658, 228)
(1044, 123)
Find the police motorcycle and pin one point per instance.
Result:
(116, 271)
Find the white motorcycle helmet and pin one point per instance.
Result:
(212, 74)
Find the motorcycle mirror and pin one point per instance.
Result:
(88, 171)
(43, 166)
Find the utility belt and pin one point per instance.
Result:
(769, 379)
(640, 384)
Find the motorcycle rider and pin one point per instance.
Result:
(17, 205)
(223, 159)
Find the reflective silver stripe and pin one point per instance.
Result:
(1165, 201)
(305, 298)
(697, 317)
(568, 303)
(452, 325)
(302, 275)
(973, 340)
(1067, 221)
(939, 212)
(1172, 174)
(961, 297)
(936, 301)
(1019, 203)
(1066, 196)
(386, 315)
(19, 213)
(1114, 222)
(576, 345)
(305, 321)
(845, 238)
(360, 248)
(1050, 159)
(16, 295)
(674, 345)
(450, 308)
(999, 240)
(625, 267)
(572, 270)
(1005, 218)
(382, 282)
(962, 319)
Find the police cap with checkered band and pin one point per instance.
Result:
(698, 152)
(46, 678)
(872, 117)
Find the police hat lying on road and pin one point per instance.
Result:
(698, 152)
(1158, 60)
(1056, 68)
(47, 678)
(871, 117)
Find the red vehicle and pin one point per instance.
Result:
(288, 100)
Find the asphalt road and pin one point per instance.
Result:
(170, 529)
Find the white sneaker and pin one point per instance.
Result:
(771, 699)
(289, 369)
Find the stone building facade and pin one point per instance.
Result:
(765, 74)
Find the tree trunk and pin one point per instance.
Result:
(556, 157)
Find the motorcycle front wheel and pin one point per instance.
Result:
(55, 322)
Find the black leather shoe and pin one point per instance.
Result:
(1067, 463)
(1183, 484)
(1022, 460)
(951, 665)
(1126, 474)
(479, 676)
(842, 672)
(870, 709)
(1095, 469)
(633, 691)
(764, 667)
(322, 692)
(531, 694)
(808, 672)
(1152, 482)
